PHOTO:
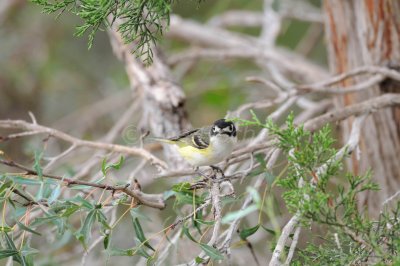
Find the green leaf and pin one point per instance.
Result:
(25, 181)
(138, 230)
(150, 261)
(201, 221)
(268, 230)
(269, 177)
(5, 229)
(24, 227)
(106, 240)
(168, 194)
(70, 210)
(260, 159)
(182, 187)
(54, 194)
(10, 244)
(120, 252)
(11, 202)
(185, 230)
(139, 233)
(84, 202)
(116, 166)
(39, 194)
(5, 186)
(212, 252)
(245, 233)
(254, 194)
(7, 253)
(239, 214)
(42, 220)
(102, 219)
(37, 166)
(196, 224)
(187, 198)
(199, 260)
(85, 231)
(27, 251)
(140, 251)
(254, 117)
(103, 166)
(136, 213)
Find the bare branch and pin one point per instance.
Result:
(280, 245)
(20, 124)
(201, 207)
(151, 200)
(293, 246)
(369, 106)
(387, 72)
(290, 62)
(216, 203)
(388, 200)
(289, 10)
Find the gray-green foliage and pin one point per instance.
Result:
(141, 21)
(352, 237)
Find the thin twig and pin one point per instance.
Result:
(388, 200)
(181, 220)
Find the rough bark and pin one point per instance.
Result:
(162, 98)
(359, 33)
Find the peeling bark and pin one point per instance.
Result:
(359, 33)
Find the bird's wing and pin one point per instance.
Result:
(198, 138)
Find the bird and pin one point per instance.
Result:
(206, 146)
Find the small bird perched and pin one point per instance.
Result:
(206, 146)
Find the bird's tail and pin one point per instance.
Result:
(168, 141)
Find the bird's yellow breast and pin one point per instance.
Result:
(191, 153)
(219, 149)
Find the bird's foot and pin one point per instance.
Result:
(216, 169)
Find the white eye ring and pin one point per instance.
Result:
(228, 129)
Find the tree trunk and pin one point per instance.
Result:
(361, 33)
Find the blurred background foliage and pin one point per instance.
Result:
(46, 70)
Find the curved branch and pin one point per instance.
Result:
(369, 106)
(20, 124)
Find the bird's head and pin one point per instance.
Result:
(223, 127)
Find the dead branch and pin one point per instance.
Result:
(20, 124)
(369, 106)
